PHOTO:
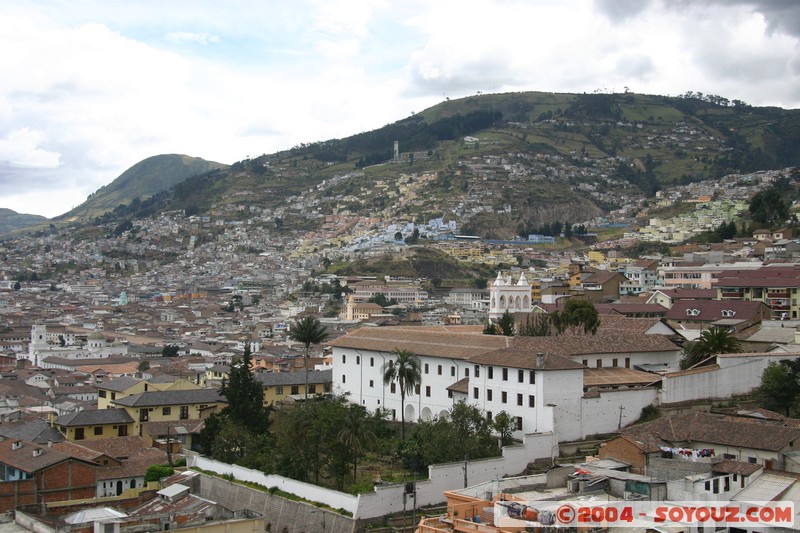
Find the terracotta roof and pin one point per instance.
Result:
(729, 466)
(432, 341)
(29, 457)
(711, 310)
(714, 429)
(462, 386)
(522, 356)
(603, 377)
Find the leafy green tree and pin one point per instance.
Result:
(245, 395)
(405, 370)
(504, 426)
(711, 342)
(505, 325)
(780, 387)
(356, 434)
(536, 325)
(577, 315)
(170, 350)
(308, 331)
(768, 207)
(143, 366)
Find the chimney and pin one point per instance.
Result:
(49, 443)
(540, 360)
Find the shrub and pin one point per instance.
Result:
(156, 472)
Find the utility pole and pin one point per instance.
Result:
(465, 470)
(621, 408)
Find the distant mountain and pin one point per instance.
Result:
(11, 220)
(143, 180)
(499, 165)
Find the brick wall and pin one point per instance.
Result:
(67, 480)
(625, 451)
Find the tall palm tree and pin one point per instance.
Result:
(308, 331)
(405, 370)
(356, 434)
(711, 342)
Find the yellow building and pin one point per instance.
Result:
(95, 424)
(280, 385)
(168, 405)
(119, 388)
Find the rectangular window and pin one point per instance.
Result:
(166, 411)
(519, 399)
(279, 389)
(531, 400)
(184, 412)
(466, 372)
(98, 430)
(295, 389)
(344, 378)
(426, 368)
(312, 389)
(599, 363)
(488, 395)
(416, 389)
(519, 423)
(453, 371)
(490, 372)
(489, 416)
(614, 363)
(393, 388)
(439, 370)
(371, 383)
(627, 362)
(477, 371)
(475, 392)
(532, 377)
(79, 434)
(521, 376)
(344, 359)
(143, 416)
(371, 361)
(585, 362)
(101, 393)
(505, 374)
(427, 391)
(504, 396)
(358, 359)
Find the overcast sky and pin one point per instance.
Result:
(89, 88)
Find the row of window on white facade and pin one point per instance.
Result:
(439, 369)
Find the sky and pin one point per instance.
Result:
(91, 87)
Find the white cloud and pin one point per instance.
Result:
(186, 36)
(92, 88)
(21, 148)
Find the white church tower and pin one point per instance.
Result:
(38, 343)
(505, 295)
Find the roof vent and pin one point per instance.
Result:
(540, 360)
(16, 445)
(37, 452)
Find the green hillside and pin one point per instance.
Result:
(499, 164)
(143, 180)
(12, 221)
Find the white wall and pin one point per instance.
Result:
(386, 499)
(602, 414)
(738, 374)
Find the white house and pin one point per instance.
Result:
(541, 382)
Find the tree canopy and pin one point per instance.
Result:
(768, 207)
(576, 315)
(308, 331)
(780, 387)
(711, 342)
(405, 370)
(245, 395)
